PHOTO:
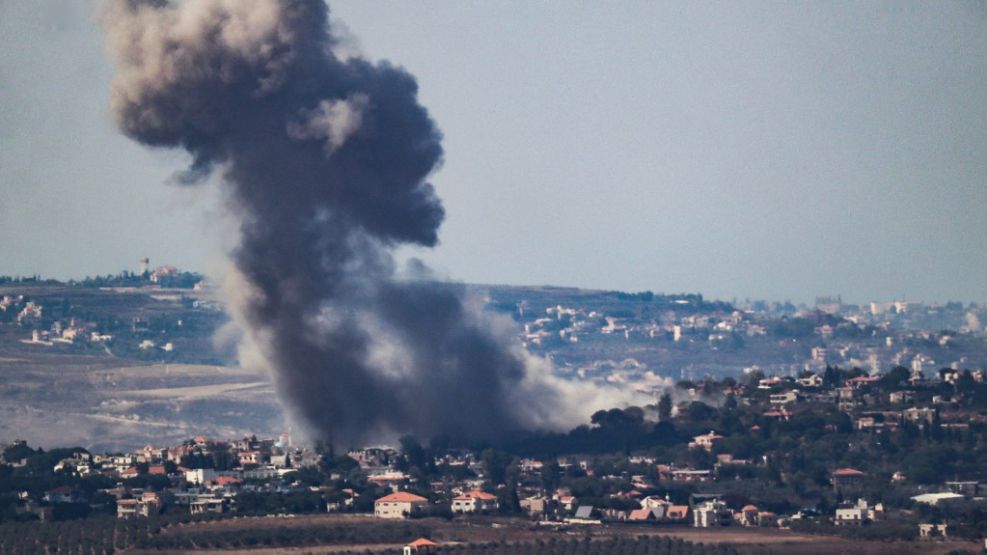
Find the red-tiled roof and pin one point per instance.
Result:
(677, 511)
(423, 542)
(639, 514)
(402, 497)
(848, 472)
(477, 494)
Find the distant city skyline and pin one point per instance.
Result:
(765, 151)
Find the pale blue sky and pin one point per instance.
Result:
(760, 149)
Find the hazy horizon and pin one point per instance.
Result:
(766, 151)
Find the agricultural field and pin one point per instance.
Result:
(113, 395)
(506, 536)
(71, 401)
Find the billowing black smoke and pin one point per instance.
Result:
(326, 162)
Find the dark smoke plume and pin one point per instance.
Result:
(325, 161)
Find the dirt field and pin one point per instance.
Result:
(748, 541)
(194, 391)
(768, 542)
(56, 399)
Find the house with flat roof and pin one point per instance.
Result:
(706, 441)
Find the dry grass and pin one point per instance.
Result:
(749, 541)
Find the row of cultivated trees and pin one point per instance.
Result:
(643, 545)
(189, 538)
(91, 536)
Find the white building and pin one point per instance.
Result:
(712, 514)
(937, 498)
(812, 380)
(534, 506)
(706, 441)
(785, 397)
(474, 502)
(929, 531)
(200, 476)
(399, 505)
(859, 513)
(207, 504)
(128, 508)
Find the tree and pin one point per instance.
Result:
(699, 411)
(965, 382)
(414, 453)
(17, 452)
(701, 458)
(550, 472)
(754, 378)
(665, 406)
(617, 418)
(896, 376)
(496, 463)
(508, 500)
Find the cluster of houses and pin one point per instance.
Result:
(872, 403)
(265, 465)
(261, 465)
(68, 331)
(31, 313)
(251, 462)
(904, 333)
(561, 508)
(403, 504)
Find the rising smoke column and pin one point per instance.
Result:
(325, 164)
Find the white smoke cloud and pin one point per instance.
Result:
(332, 120)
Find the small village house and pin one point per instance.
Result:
(476, 501)
(706, 441)
(399, 505)
(420, 547)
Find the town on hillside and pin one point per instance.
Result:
(894, 456)
(164, 314)
(110, 362)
